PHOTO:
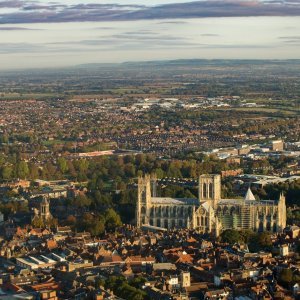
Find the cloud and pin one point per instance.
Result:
(8, 48)
(42, 11)
(15, 28)
(217, 8)
(172, 22)
(147, 37)
(37, 7)
(290, 37)
(140, 32)
(104, 28)
(53, 12)
(291, 40)
(237, 46)
(210, 34)
(129, 38)
(11, 4)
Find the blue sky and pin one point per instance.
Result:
(64, 33)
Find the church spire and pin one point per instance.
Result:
(249, 195)
(281, 197)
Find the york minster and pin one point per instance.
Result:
(209, 213)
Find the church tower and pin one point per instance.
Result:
(210, 189)
(185, 279)
(281, 216)
(144, 198)
(45, 210)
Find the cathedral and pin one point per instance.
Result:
(209, 213)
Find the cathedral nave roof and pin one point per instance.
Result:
(174, 201)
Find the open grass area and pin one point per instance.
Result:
(279, 111)
(53, 142)
(26, 96)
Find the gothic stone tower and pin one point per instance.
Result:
(144, 200)
(185, 279)
(281, 216)
(45, 210)
(210, 189)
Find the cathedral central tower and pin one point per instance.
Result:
(210, 189)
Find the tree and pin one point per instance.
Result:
(260, 241)
(7, 172)
(51, 222)
(22, 169)
(37, 222)
(264, 239)
(137, 282)
(93, 224)
(124, 289)
(71, 169)
(298, 248)
(139, 159)
(82, 201)
(98, 226)
(246, 235)
(159, 173)
(230, 236)
(62, 165)
(112, 219)
(286, 276)
(71, 220)
(82, 165)
(34, 171)
(49, 171)
(2, 159)
(129, 170)
(99, 282)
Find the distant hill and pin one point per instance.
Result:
(193, 62)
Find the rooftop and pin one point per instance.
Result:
(174, 201)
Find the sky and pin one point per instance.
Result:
(60, 33)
